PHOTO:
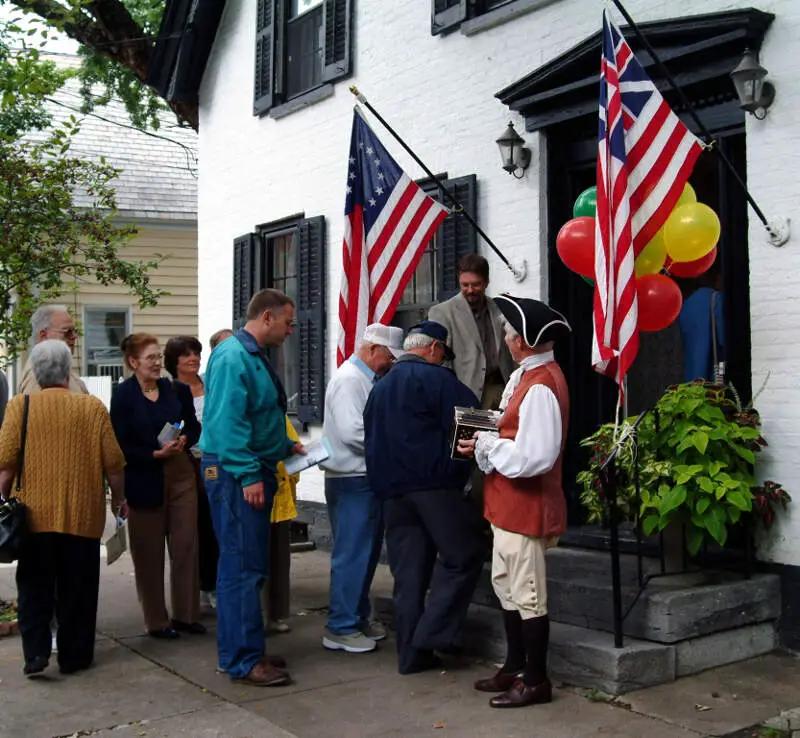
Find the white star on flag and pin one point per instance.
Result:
(370, 150)
(352, 175)
(352, 159)
(372, 201)
(349, 189)
(379, 190)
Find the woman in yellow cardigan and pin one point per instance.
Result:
(275, 592)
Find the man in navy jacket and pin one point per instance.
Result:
(433, 531)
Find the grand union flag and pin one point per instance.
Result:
(645, 156)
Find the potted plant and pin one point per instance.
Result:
(8, 618)
(696, 455)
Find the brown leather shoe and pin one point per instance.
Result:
(277, 661)
(266, 675)
(521, 695)
(500, 682)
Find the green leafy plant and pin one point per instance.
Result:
(696, 455)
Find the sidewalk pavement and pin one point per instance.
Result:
(143, 688)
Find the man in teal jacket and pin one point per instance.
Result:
(244, 438)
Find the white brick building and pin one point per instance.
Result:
(439, 92)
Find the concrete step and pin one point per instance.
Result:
(588, 658)
(670, 609)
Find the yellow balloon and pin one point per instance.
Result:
(691, 231)
(652, 257)
(688, 195)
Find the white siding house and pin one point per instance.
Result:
(280, 152)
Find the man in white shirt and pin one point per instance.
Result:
(523, 496)
(353, 509)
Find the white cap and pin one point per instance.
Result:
(385, 335)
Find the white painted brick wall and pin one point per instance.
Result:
(439, 94)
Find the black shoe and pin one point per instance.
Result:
(193, 628)
(423, 661)
(35, 666)
(164, 634)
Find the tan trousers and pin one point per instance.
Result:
(519, 573)
(176, 523)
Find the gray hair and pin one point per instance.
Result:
(511, 332)
(40, 320)
(417, 341)
(51, 361)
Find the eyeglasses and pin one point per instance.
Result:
(65, 331)
(152, 358)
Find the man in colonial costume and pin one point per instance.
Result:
(524, 500)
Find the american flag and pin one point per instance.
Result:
(645, 156)
(389, 222)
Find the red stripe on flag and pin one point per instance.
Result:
(382, 239)
(353, 276)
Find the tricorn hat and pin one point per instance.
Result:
(535, 321)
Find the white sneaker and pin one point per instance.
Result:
(351, 643)
(54, 645)
(208, 599)
(374, 630)
(278, 626)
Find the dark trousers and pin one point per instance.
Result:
(433, 541)
(276, 603)
(68, 566)
(207, 547)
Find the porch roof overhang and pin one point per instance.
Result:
(700, 51)
(185, 38)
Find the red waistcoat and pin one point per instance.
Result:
(533, 506)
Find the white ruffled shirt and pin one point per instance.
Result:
(537, 445)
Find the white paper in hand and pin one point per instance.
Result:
(317, 452)
(117, 544)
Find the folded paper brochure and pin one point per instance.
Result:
(316, 453)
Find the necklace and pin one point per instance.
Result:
(149, 390)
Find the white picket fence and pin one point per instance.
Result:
(100, 387)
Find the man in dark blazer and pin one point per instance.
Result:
(475, 330)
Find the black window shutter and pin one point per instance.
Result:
(456, 235)
(447, 15)
(338, 38)
(264, 88)
(243, 248)
(311, 318)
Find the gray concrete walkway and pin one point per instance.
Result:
(144, 688)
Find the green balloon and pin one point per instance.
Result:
(586, 204)
(588, 280)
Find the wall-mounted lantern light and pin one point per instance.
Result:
(755, 93)
(516, 157)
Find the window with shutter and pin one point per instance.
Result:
(300, 46)
(289, 255)
(436, 277)
(447, 15)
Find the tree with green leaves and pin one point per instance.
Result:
(117, 40)
(57, 211)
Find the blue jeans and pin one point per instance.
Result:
(357, 525)
(243, 535)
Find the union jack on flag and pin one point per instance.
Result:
(389, 221)
(644, 158)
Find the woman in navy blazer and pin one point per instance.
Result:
(160, 487)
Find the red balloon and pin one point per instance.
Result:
(575, 245)
(660, 302)
(692, 268)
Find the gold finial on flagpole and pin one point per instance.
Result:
(358, 95)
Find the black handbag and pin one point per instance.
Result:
(14, 528)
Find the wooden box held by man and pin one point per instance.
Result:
(523, 497)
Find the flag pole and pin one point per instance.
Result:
(519, 271)
(778, 236)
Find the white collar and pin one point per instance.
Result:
(532, 362)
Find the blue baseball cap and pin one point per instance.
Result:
(436, 331)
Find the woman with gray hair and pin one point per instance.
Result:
(70, 449)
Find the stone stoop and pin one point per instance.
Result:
(680, 625)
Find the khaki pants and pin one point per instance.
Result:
(176, 523)
(519, 573)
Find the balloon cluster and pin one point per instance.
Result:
(686, 246)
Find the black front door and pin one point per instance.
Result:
(571, 156)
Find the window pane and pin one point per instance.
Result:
(304, 44)
(421, 288)
(284, 359)
(303, 6)
(103, 332)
